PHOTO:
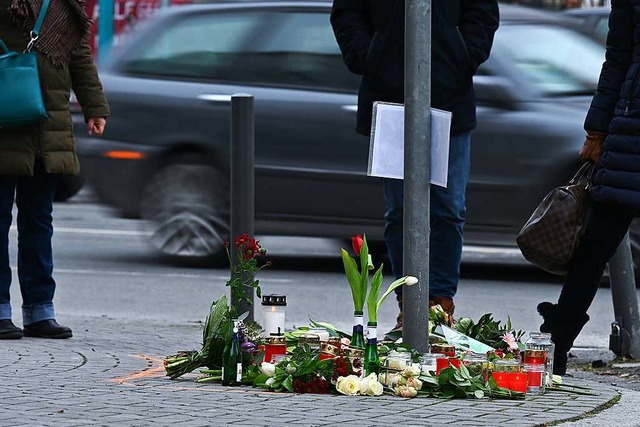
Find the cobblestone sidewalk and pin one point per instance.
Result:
(110, 374)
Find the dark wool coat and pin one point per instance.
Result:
(371, 37)
(52, 139)
(615, 110)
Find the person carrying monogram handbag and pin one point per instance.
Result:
(35, 152)
(613, 144)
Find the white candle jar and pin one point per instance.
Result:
(273, 314)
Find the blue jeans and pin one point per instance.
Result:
(447, 220)
(34, 199)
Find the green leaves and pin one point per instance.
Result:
(354, 279)
(460, 383)
(372, 299)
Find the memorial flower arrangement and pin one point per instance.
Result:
(218, 324)
(337, 365)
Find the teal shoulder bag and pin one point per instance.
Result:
(21, 101)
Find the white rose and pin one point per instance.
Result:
(375, 389)
(270, 382)
(405, 391)
(415, 383)
(370, 386)
(364, 385)
(411, 371)
(269, 369)
(349, 385)
(373, 376)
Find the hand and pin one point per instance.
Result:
(96, 125)
(592, 148)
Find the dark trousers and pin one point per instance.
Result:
(33, 197)
(606, 228)
(447, 221)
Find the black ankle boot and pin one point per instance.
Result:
(47, 329)
(9, 331)
(564, 327)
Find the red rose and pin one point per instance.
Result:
(356, 243)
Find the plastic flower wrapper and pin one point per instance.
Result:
(214, 336)
(461, 341)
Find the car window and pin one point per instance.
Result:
(199, 46)
(602, 28)
(559, 61)
(299, 50)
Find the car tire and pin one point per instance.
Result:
(68, 186)
(187, 206)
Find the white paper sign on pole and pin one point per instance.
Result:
(386, 148)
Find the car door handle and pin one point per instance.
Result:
(215, 98)
(351, 108)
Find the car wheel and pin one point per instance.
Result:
(68, 186)
(187, 205)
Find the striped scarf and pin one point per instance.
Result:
(65, 28)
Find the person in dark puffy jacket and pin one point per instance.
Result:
(613, 144)
(33, 157)
(370, 34)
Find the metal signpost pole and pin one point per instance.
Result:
(625, 338)
(242, 181)
(417, 171)
(105, 29)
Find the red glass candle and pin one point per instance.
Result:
(275, 345)
(502, 379)
(444, 362)
(518, 382)
(535, 357)
(328, 351)
(535, 373)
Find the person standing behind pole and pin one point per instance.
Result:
(370, 34)
(613, 144)
(32, 157)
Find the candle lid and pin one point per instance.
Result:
(442, 348)
(276, 339)
(274, 300)
(329, 349)
(311, 339)
(352, 352)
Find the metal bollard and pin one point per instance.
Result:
(242, 180)
(625, 337)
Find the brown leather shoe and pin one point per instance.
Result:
(447, 306)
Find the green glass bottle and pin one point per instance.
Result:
(371, 359)
(357, 336)
(232, 360)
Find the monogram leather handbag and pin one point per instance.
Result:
(21, 101)
(549, 238)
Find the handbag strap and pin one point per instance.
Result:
(584, 174)
(35, 33)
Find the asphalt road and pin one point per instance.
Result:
(104, 267)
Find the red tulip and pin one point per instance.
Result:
(356, 243)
